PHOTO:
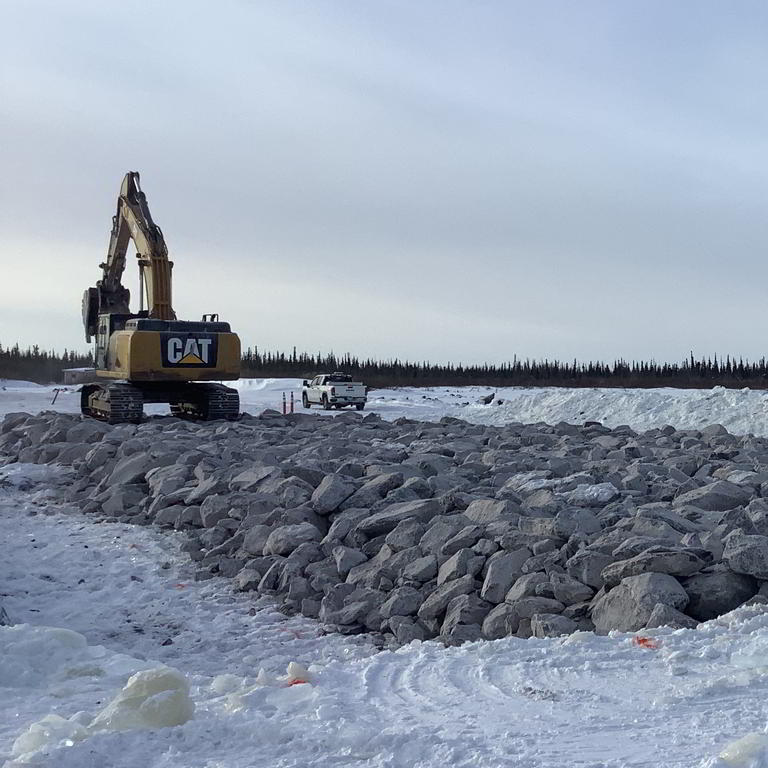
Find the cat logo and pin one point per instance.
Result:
(188, 350)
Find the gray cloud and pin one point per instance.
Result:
(443, 180)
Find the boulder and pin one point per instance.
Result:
(666, 616)
(383, 522)
(436, 603)
(423, 569)
(628, 606)
(714, 593)
(597, 495)
(568, 590)
(501, 621)
(484, 511)
(503, 570)
(552, 625)
(373, 491)
(527, 607)
(525, 586)
(465, 561)
(718, 496)
(675, 562)
(131, 469)
(403, 601)
(406, 534)
(587, 566)
(346, 559)
(330, 493)
(747, 555)
(286, 538)
(467, 610)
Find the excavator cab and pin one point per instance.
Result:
(149, 355)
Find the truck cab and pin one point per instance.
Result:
(333, 390)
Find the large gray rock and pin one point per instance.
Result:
(406, 630)
(575, 520)
(597, 495)
(666, 616)
(525, 586)
(747, 555)
(250, 479)
(466, 537)
(503, 570)
(501, 621)
(346, 559)
(406, 534)
(628, 606)
(383, 522)
(286, 538)
(467, 610)
(464, 562)
(719, 496)
(587, 566)
(568, 590)
(552, 625)
(131, 469)
(675, 562)
(484, 511)
(332, 491)
(423, 569)
(527, 607)
(373, 491)
(256, 538)
(435, 605)
(403, 601)
(88, 431)
(715, 593)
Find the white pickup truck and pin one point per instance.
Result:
(333, 390)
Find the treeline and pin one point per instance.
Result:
(34, 364)
(689, 374)
(44, 367)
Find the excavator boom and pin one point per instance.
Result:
(133, 221)
(150, 356)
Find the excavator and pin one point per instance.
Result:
(150, 356)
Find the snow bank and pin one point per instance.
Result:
(740, 411)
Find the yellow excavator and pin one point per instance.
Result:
(150, 356)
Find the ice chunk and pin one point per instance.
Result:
(52, 730)
(153, 698)
(750, 751)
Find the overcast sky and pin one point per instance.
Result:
(440, 180)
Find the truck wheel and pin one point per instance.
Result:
(326, 404)
(360, 406)
(304, 400)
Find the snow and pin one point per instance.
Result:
(740, 411)
(120, 658)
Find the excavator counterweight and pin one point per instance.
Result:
(150, 356)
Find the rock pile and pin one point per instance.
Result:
(437, 530)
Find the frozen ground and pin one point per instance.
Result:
(740, 411)
(96, 603)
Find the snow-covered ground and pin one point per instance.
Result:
(740, 411)
(95, 604)
(103, 611)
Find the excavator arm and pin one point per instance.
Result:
(132, 221)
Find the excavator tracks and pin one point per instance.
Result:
(122, 402)
(208, 402)
(117, 403)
